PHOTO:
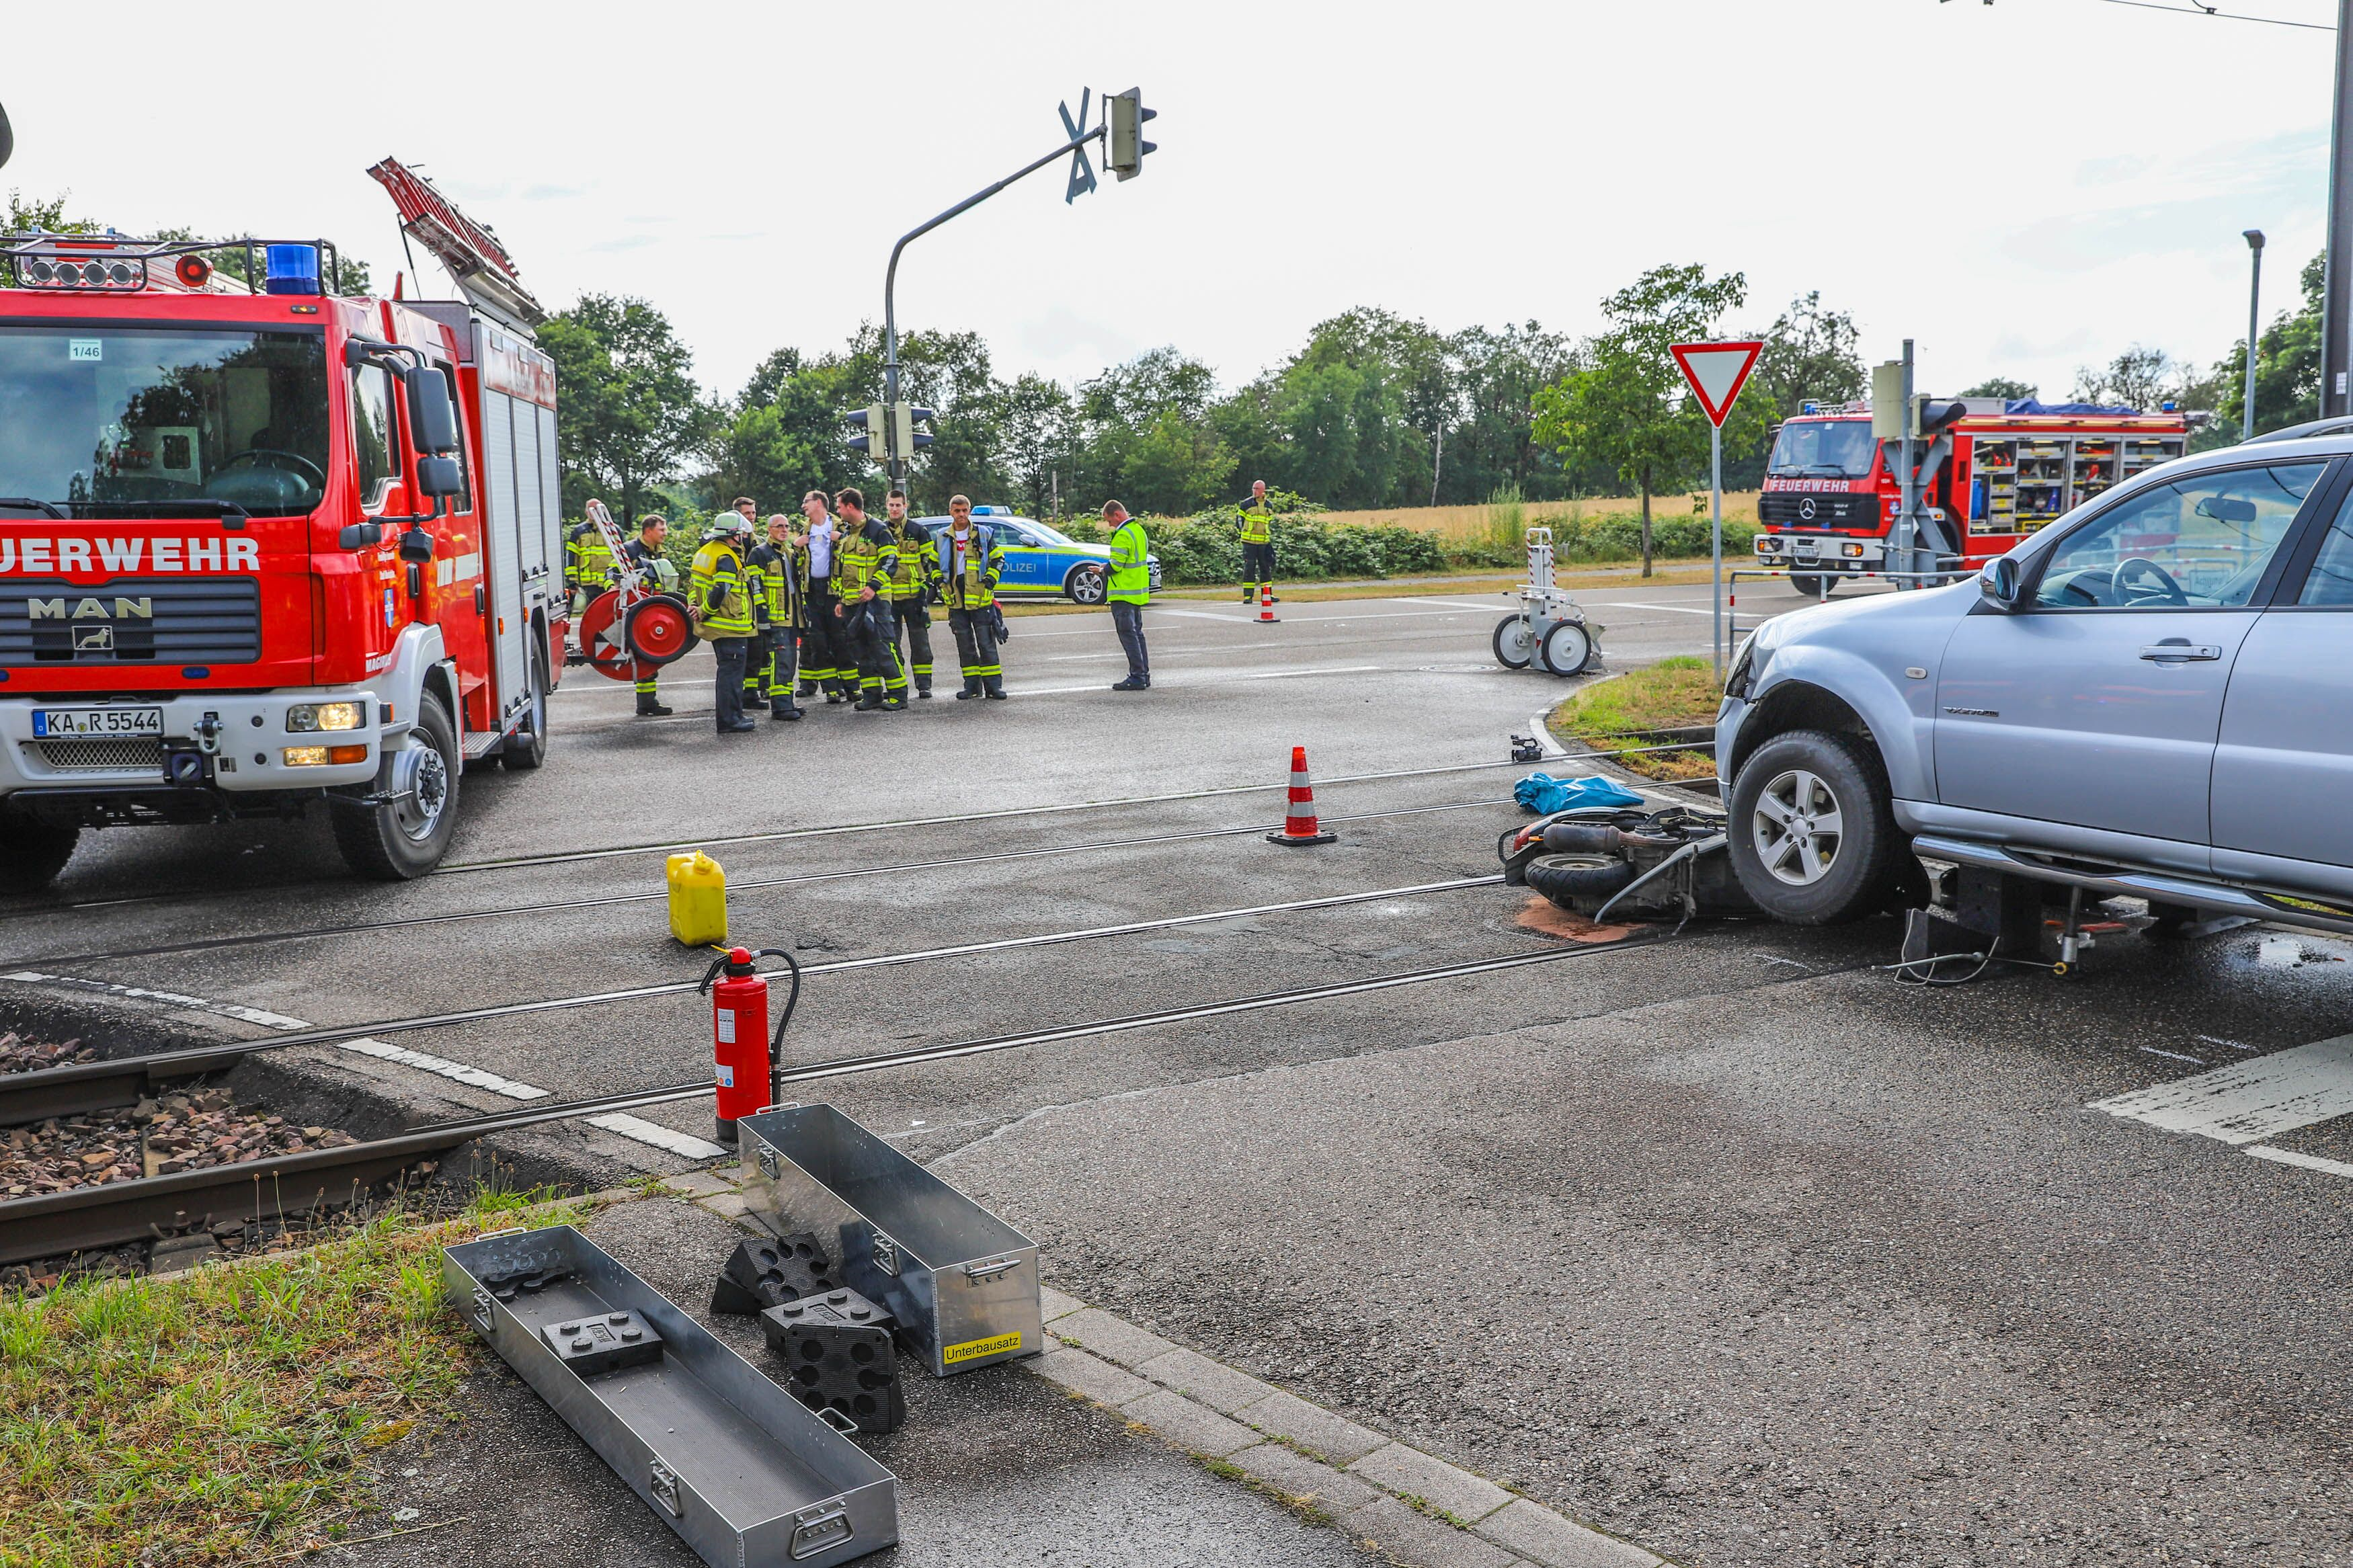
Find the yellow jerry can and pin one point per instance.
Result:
(698, 900)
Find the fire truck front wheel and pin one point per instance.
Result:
(32, 852)
(403, 829)
(1811, 587)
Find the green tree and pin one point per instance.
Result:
(1144, 435)
(1488, 443)
(47, 216)
(2287, 365)
(2139, 378)
(1038, 425)
(629, 413)
(1627, 405)
(1808, 354)
(2000, 387)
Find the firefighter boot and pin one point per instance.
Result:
(995, 685)
(971, 690)
(651, 707)
(783, 707)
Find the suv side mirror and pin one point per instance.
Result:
(2000, 583)
(430, 419)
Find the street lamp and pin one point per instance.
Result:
(2255, 238)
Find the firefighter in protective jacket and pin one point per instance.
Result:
(969, 561)
(642, 557)
(913, 589)
(771, 565)
(720, 597)
(865, 559)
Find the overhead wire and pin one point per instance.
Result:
(2196, 9)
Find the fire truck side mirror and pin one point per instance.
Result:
(415, 546)
(360, 535)
(438, 475)
(431, 420)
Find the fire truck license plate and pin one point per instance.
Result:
(1810, 547)
(79, 722)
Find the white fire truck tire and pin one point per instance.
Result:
(403, 838)
(32, 852)
(526, 748)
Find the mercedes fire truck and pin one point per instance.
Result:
(264, 547)
(1990, 471)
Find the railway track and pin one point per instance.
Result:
(87, 1219)
(87, 1087)
(743, 885)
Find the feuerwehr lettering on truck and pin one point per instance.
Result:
(72, 554)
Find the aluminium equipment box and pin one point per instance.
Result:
(962, 1283)
(745, 1474)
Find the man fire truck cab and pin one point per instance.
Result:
(1990, 471)
(265, 547)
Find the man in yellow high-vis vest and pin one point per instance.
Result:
(1258, 541)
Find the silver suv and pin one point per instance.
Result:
(2153, 697)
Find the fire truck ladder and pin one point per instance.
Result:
(484, 272)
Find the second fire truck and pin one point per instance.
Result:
(1990, 471)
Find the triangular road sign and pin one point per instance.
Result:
(1716, 372)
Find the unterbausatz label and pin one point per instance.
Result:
(973, 1350)
(41, 555)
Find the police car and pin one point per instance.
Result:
(1041, 561)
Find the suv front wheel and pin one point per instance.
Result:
(1813, 833)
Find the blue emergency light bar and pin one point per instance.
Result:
(290, 268)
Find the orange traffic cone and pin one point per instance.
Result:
(1299, 823)
(1266, 603)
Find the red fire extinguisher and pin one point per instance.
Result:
(744, 1056)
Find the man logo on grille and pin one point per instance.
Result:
(125, 609)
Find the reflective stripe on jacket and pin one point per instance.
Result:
(914, 570)
(1131, 576)
(867, 559)
(717, 567)
(589, 558)
(1258, 522)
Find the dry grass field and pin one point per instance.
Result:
(1478, 521)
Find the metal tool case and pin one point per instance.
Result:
(747, 1476)
(961, 1282)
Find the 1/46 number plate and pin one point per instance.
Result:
(81, 723)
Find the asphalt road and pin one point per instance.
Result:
(1726, 1242)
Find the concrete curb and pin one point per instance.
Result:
(1411, 1507)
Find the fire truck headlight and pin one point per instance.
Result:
(1768, 544)
(305, 717)
(322, 756)
(1853, 550)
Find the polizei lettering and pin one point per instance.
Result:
(39, 555)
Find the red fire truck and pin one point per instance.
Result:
(264, 547)
(1991, 472)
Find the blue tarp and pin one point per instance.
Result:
(1544, 794)
(2029, 406)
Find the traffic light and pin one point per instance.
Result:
(874, 424)
(1124, 143)
(906, 440)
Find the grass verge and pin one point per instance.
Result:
(223, 1415)
(1629, 710)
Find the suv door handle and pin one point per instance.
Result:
(2180, 652)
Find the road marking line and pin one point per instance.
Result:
(1678, 609)
(443, 1066)
(2175, 1055)
(661, 1137)
(2219, 1040)
(2248, 1101)
(140, 994)
(2304, 1161)
(1501, 602)
(638, 1127)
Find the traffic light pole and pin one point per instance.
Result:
(898, 459)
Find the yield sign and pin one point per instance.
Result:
(1716, 372)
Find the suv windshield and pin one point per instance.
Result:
(1824, 448)
(112, 420)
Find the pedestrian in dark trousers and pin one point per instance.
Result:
(970, 562)
(1130, 590)
(867, 557)
(643, 556)
(721, 601)
(913, 591)
(1258, 540)
(824, 661)
(770, 564)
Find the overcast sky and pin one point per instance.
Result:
(2022, 187)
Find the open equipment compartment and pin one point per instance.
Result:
(961, 1282)
(743, 1472)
